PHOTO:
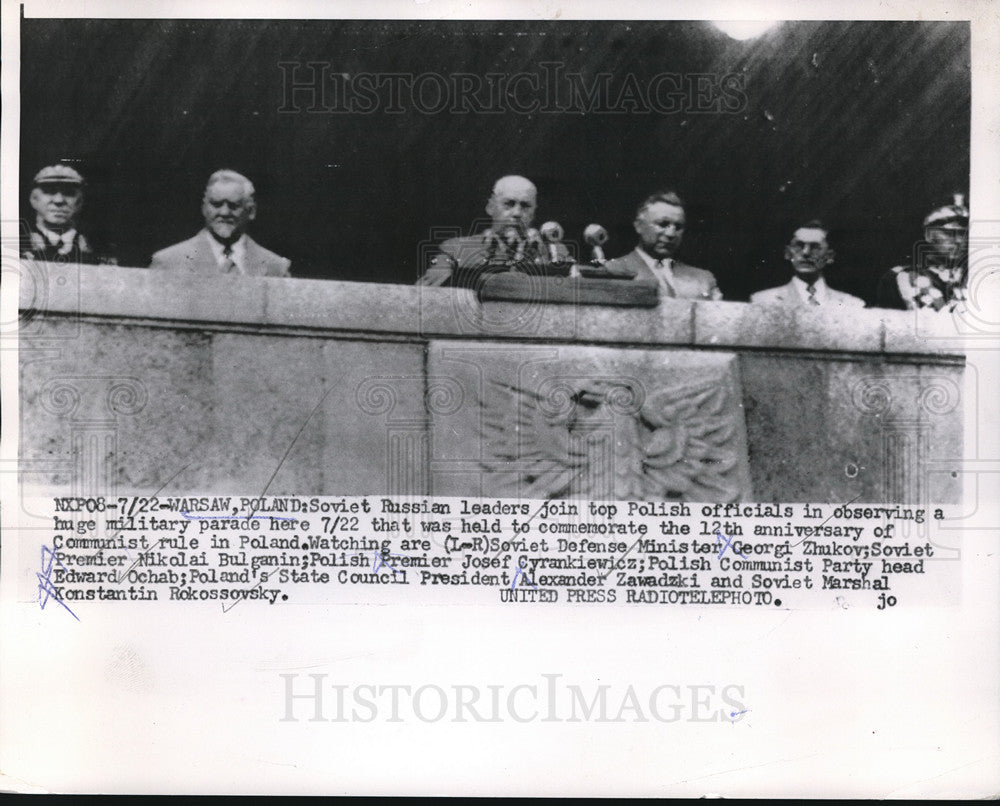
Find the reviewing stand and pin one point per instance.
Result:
(130, 376)
(565, 290)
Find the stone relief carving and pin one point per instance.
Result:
(620, 438)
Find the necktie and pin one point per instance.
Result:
(661, 277)
(228, 264)
(812, 294)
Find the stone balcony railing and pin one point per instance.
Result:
(135, 381)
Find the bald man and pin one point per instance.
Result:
(508, 240)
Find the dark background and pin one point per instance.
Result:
(864, 124)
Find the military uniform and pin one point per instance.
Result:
(460, 262)
(938, 288)
(936, 281)
(54, 237)
(68, 247)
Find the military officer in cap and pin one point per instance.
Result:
(937, 279)
(57, 198)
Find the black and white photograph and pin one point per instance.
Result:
(550, 182)
(621, 381)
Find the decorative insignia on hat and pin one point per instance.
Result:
(956, 212)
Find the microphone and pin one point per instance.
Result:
(532, 244)
(510, 236)
(492, 244)
(552, 234)
(596, 235)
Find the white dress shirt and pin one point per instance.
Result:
(663, 271)
(820, 286)
(237, 255)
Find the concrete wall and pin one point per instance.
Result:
(140, 381)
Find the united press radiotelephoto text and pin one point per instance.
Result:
(296, 550)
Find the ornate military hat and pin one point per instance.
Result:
(949, 214)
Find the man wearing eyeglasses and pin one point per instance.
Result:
(810, 254)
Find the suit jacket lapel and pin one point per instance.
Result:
(683, 279)
(638, 265)
(202, 255)
(254, 264)
(792, 298)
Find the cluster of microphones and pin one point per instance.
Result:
(541, 251)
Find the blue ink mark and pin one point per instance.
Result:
(519, 572)
(380, 560)
(734, 714)
(45, 581)
(729, 543)
(230, 517)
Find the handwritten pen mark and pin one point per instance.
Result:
(246, 595)
(578, 475)
(615, 562)
(191, 517)
(824, 523)
(734, 714)
(519, 572)
(729, 544)
(287, 453)
(530, 519)
(463, 546)
(295, 439)
(636, 543)
(380, 560)
(154, 495)
(45, 586)
(163, 486)
(138, 560)
(779, 624)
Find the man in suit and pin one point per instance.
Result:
(509, 241)
(809, 253)
(659, 223)
(224, 247)
(57, 198)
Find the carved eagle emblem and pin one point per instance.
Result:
(603, 438)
